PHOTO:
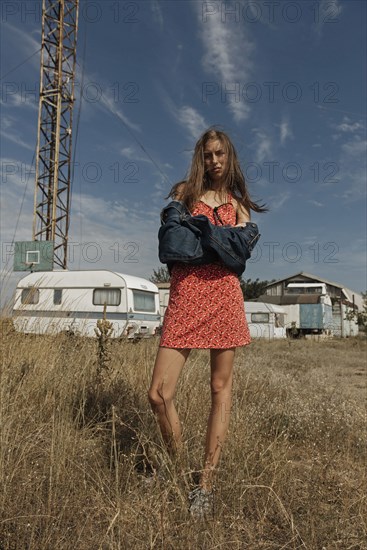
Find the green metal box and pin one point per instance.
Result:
(33, 256)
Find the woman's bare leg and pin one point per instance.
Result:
(167, 369)
(221, 389)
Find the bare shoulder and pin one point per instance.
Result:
(243, 214)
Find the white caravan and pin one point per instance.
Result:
(265, 320)
(54, 301)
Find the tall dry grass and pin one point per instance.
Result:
(78, 450)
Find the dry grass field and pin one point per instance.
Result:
(78, 451)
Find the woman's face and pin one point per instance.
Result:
(215, 160)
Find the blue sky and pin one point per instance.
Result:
(286, 80)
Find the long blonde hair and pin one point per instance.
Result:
(191, 189)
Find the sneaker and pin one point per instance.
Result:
(201, 503)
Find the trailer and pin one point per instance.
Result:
(315, 307)
(265, 320)
(73, 301)
(163, 289)
(311, 310)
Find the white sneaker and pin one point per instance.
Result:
(201, 505)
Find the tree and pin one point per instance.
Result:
(359, 316)
(253, 289)
(160, 275)
(362, 315)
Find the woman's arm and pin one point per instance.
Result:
(242, 214)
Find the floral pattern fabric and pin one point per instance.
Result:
(206, 306)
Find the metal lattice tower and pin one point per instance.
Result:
(54, 141)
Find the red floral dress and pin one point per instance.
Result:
(206, 306)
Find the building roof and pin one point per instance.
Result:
(307, 275)
(347, 291)
(288, 299)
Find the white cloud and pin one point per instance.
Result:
(263, 145)
(351, 163)
(327, 12)
(356, 147)
(131, 153)
(227, 56)
(123, 235)
(285, 130)
(108, 102)
(12, 135)
(278, 201)
(7, 122)
(15, 173)
(22, 39)
(93, 92)
(346, 127)
(128, 152)
(190, 119)
(20, 98)
(17, 140)
(157, 14)
(352, 170)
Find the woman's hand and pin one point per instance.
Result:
(242, 224)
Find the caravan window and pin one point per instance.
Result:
(143, 301)
(108, 296)
(259, 317)
(57, 296)
(30, 296)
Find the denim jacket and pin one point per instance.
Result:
(195, 240)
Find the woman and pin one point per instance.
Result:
(205, 308)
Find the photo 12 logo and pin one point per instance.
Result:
(90, 172)
(90, 252)
(269, 11)
(293, 252)
(114, 11)
(15, 93)
(269, 92)
(273, 171)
